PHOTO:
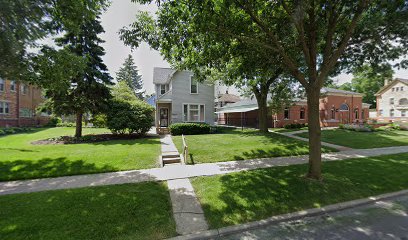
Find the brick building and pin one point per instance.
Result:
(336, 107)
(18, 103)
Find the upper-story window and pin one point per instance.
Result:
(402, 88)
(193, 85)
(2, 84)
(162, 89)
(4, 108)
(13, 86)
(392, 89)
(286, 114)
(392, 101)
(24, 89)
(396, 89)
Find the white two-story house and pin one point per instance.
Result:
(181, 98)
(392, 101)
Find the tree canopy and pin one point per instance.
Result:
(129, 74)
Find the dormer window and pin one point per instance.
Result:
(193, 85)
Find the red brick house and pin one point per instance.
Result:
(336, 107)
(18, 103)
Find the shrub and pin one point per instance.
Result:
(189, 128)
(99, 120)
(357, 127)
(2, 132)
(13, 130)
(129, 117)
(53, 122)
(66, 124)
(295, 125)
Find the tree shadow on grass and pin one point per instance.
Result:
(149, 140)
(259, 194)
(48, 167)
(128, 211)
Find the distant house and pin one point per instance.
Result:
(18, 103)
(336, 106)
(181, 98)
(392, 101)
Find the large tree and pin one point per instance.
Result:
(129, 74)
(314, 39)
(369, 80)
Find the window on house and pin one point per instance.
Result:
(4, 108)
(162, 89)
(302, 113)
(24, 89)
(193, 85)
(333, 113)
(392, 90)
(193, 113)
(402, 88)
(13, 86)
(286, 114)
(403, 101)
(381, 112)
(391, 112)
(392, 101)
(396, 89)
(362, 114)
(356, 114)
(26, 112)
(2, 83)
(403, 113)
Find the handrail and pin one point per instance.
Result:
(185, 149)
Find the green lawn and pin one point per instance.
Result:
(284, 130)
(19, 159)
(239, 145)
(363, 140)
(129, 211)
(253, 195)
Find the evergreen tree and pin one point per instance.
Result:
(87, 91)
(128, 73)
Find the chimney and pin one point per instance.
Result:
(386, 81)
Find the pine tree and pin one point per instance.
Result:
(128, 73)
(88, 91)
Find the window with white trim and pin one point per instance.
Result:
(163, 89)
(391, 112)
(403, 113)
(193, 85)
(193, 113)
(4, 108)
(13, 86)
(24, 89)
(392, 101)
(356, 113)
(2, 84)
(26, 112)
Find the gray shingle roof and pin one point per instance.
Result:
(162, 75)
(402, 80)
(333, 90)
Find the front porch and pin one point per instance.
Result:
(163, 117)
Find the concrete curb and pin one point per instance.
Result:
(216, 233)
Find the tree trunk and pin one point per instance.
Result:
(315, 157)
(262, 98)
(78, 128)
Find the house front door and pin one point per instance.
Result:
(164, 117)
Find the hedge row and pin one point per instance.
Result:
(189, 128)
(13, 130)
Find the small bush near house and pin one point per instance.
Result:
(53, 122)
(132, 117)
(66, 124)
(13, 130)
(295, 125)
(189, 128)
(357, 127)
(99, 120)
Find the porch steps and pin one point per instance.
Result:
(162, 130)
(170, 158)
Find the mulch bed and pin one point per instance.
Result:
(86, 139)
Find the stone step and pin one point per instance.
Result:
(170, 154)
(168, 160)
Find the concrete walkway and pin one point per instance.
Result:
(180, 171)
(167, 144)
(187, 211)
(293, 135)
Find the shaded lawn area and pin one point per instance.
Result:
(19, 159)
(239, 145)
(284, 130)
(129, 211)
(258, 194)
(362, 140)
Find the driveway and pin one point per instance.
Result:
(382, 220)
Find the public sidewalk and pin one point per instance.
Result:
(180, 171)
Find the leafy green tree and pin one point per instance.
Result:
(314, 39)
(369, 80)
(128, 73)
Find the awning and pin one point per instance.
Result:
(238, 110)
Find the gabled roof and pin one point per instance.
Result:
(165, 97)
(228, 98)
(326, 90)
(162, 75)
(395, 81)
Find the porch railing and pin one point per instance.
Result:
(185, 149)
